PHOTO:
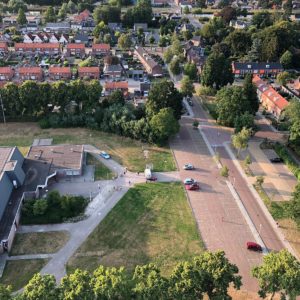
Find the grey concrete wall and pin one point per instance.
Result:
(6, 188)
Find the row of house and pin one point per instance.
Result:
(43, 37)
(55, 73)
(56, 48)
(271, 100)
(265, 69)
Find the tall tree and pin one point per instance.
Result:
(5, 292)
(41, 287)
(21, 18)
(124, 41)
(279, 273)
(107, 14)
(286, 59)
(163, 94)
(50, 15)
(250, 92)
(175, 66)
(190, 69)
(186, 86)
(217, 71)
(240, 140)
(30, 97)
(239, 42)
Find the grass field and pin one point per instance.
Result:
(17, 273)
(152, 223)
(39, 242)
(101, 171)
(126, 151)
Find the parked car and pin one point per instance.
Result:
(276, 160)
(189, 181)
(153, 178)
(190, 102)
(104, 155)
(188, 167)
(254, 246)
(193, 187)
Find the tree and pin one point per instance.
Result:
(224, 171)
(163, 125)
(152, 39)
(240, 140)
(295, 205)
(124, 41)
(41, 287)
(107, 14)
(209, 273)
(149, 284)
(163, 94)
(217, 71)
(110, 283)
(40, 206)
(5, 292)
(228, 13)
(262, 19)
(283, 77)
(186, 10)
(175, 66)
(279, 273)
(30, 97)
(255, 52)
(231, 103)
(50, 15)
(186, 86)
(250, 92)
(116, 97)
(214, 31)
(239, 42)
(286, 59)
(140, 13)
(62, 13)
(76, 286)
(71, 7)
(168, 55)
(15, 5)
(21, 19)
(246, 120)
(190, 69)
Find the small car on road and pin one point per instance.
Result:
(188, 167)
(188, 181)
(254, 246)
(104, 155)
(193, 187)
(276, 160)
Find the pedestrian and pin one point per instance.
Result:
(129, 182)
(124, 172)
(138, 173)
(99, 186)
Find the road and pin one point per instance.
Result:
(220, 221)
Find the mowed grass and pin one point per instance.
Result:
(39, 242)
(17, 273)
(101, 171)
(152, 223)
(128, 152)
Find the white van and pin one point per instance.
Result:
(148, 174)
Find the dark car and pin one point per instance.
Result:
(190, 102)
(276, 160)
(254, 246)
(193, 187)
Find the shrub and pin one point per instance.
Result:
(259, 181)
(224, 171)
(206, 91)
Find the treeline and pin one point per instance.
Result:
(77, 104)
(208, 275)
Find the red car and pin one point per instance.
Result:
(192, 187)
(254, 246)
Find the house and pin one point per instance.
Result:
(115, 26)
(100, 49)
(111, 86)
(150, 65)
(39, 38)
(28, 38)
(30, 73)
(271, 100)
(10, 20)
(89, 72)
(83, 21)
(143, 26)
(64, 39)
(60, 27)
(6, 73)
(54, 38)
(196, 41)
(41, 48)
(80, 38)
(266, 69)
(238, 24)
(76, 50)
(159, 3)
(3, 48)
(60, 73)
(112, 71)
(33, 18)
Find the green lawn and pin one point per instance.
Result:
(39, 242)
(101, 171)
(17, 273)
(130, 153)
(152, 223)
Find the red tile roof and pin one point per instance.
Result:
(89, 70)
(116, 85)
(30, 70)
(101, 47)
(3, 45)
(6, 70)
(37, 46)
(75, 46)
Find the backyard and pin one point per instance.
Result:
(152, 223)
(130, 153)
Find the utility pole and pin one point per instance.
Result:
(2, 107)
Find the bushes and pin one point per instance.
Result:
(52, 209)
(206, 91)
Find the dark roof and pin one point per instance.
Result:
(257, 65)
(81, 37)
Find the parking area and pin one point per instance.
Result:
(279, 182)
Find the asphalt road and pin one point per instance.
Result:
(219, 219)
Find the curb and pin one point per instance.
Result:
(260, 202)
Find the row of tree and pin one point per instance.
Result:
(207, 275)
